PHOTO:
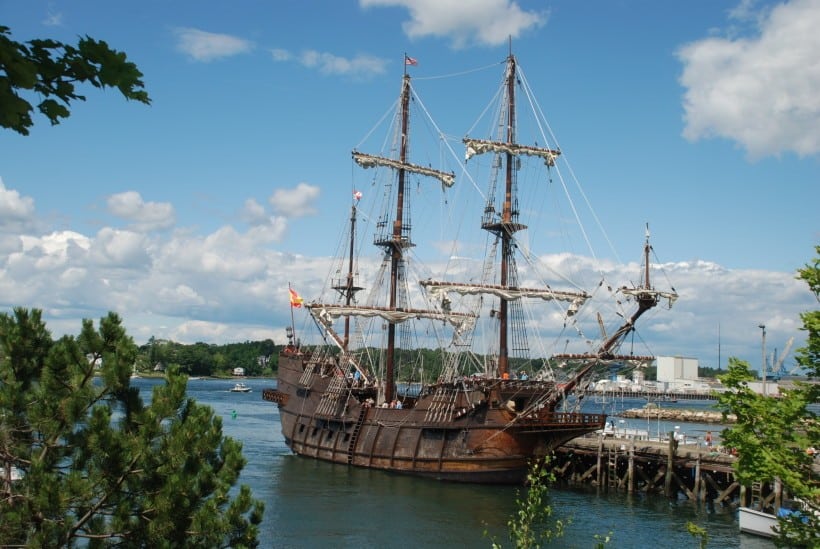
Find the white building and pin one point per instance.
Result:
(680, 374)
(677, 368)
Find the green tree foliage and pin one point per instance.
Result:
(772, 434)
(99, 467)
(809, 356)
(203, 359)
(529, 527)
(700, 534)
(50, 70)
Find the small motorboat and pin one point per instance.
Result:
(759, 523)
(240, 388)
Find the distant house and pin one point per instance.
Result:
(239, 371)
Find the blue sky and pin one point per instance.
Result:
(190, 216)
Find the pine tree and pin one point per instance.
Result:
(98, 466)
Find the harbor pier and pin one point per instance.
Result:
(662, 466)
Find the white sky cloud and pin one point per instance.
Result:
(199, 331)
(16, 211)
(145, 216)
(253, 212)
(329, 63)
(759, 91)
(209, 46)
(225, 285)
(120, 248)
(279, 54)
(486, 22)
(296, 202)
(53, 19)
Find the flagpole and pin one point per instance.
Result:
(292, 322)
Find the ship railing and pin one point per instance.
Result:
(565, 419)
(275, 396)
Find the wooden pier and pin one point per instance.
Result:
(665, 467)
(652, 396)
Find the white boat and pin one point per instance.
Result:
(10, 472)
(240, 388)
(757, 522)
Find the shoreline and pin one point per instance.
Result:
(678, 414)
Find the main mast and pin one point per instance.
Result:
(394, 242)
(504, 227)
(507, 227)
(398, 242)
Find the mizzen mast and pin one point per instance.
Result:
(347, 287)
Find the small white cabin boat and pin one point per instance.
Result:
(240, 388)
(757, 522)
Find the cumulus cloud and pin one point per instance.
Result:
(58, 244)
(145, 216)
(16, 212)
(327, 63)
(484, 22)
(265, 228)
(254, 213)
(199, 331)
(274, 230)
(226, 254)
(208, 46)
(296, 202)
(181, 294)
(231, 285)
(118, 248)
(759, 91)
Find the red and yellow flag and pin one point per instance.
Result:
(295, 299)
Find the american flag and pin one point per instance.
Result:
(357, 195)
(410, 61)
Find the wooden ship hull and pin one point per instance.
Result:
(472, 430)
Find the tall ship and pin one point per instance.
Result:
(447, 373)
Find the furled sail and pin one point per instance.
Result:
(437, 289)
(326, 312)
(481, 146)
(371, 161)
(671, 297)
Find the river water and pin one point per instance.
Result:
(309, 503)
